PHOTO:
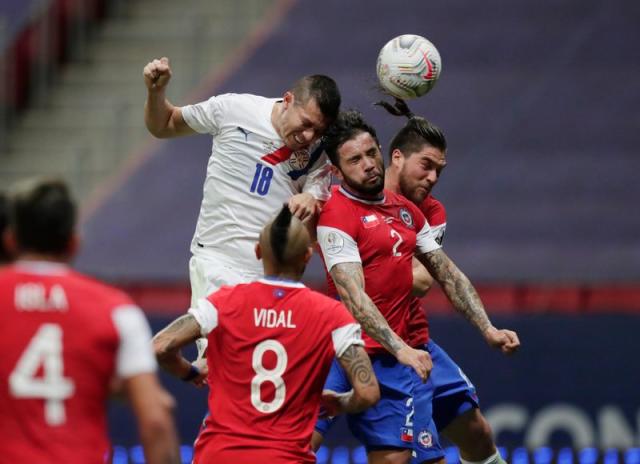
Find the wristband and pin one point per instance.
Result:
(192, 374)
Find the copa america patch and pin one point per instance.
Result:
(333, 243)
(425, 439)
(299, 159)
(406, 217)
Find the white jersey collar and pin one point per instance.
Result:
(277, 282)
(41, 267)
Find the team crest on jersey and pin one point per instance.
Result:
(333, 243)
(299, 159)
(406, 217)
(425, 439)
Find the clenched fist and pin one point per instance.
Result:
(157, 74)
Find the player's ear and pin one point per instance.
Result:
(336, 172)
(9, 241)
(308, 254)
(74, 245)
(287, 99)
(397, 158)
(258, 251)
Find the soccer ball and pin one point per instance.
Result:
(408, 66)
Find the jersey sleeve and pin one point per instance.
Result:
(425, 238)
(205, 117)
(438, 232)
(347, 331)
(135, 355)
(337, 247)
(318, 180)
(337, 234)
(206, 314)
(345, 336)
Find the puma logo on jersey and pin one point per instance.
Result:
(34, 297)
(272, 319)
(245, 132)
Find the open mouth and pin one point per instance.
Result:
(298, 140)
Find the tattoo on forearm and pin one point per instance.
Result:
(358, 365)
(349, 280)
(184, 328)
(457, 287)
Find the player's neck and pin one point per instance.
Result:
(391, 181)
(282, 273)
(40, 257)
(362, 195)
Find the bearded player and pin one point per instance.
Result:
(368, 237)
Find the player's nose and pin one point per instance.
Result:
(432, 176)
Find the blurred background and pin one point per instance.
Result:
(540, 102)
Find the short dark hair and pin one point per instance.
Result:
(4, 254)
(42, 215)
(416, 133)
(347, 125)
(323, 90)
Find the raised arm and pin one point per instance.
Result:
(349, 280)
(365, 392)
(167, 344)
(465, 299)
(163, 120)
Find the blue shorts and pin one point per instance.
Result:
(447, 394)
(388, 424)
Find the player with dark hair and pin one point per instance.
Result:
(271, 343)
(4, 253)
(262, 156)
(69, 337)
(368, 237)
(417, 157)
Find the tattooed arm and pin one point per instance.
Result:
(465, 299)
(349, 280)
(167, 344)
(365, 392)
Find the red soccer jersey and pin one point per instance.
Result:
(436, 216)
(65, 337)
(271, 344)
(383, 236)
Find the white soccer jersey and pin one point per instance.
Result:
(249, 176)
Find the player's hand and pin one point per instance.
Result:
(331, 403)
(506, 340)
(202, 366)
(157, 74)
(304, 206)
(419, 360)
